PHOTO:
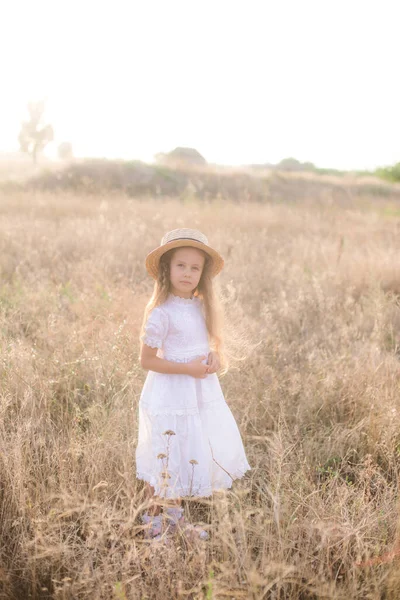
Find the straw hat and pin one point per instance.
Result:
(183, 237)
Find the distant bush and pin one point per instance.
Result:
(389, 173)
(292, 164)
(181, 157)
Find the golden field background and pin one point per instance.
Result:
(310, 289)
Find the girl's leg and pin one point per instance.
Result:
(155, 508)
(171, 509)
(173, 502)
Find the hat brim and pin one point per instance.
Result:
(153, 258)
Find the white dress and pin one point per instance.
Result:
(188, 441)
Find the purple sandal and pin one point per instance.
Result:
(178, 521)
(155, 522)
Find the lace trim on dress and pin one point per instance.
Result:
(179, 300)
(150, 341)
(156, 328)
(170, 410)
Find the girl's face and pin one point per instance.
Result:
(185, 271)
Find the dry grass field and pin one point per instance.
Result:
(311, 293)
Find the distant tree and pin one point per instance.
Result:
(187, 155)
(64, 151)
(181, 156)
(292, 164)
(34, 134)
(289, 164)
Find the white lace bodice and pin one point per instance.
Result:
(177, 328)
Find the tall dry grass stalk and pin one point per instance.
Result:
(311, 296)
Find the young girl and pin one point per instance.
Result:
(188, 441)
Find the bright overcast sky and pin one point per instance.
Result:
(241, 81)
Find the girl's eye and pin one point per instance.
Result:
(181, 265)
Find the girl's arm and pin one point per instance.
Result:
(151, 362)
(161, 365)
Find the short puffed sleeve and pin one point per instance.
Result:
(156, 328)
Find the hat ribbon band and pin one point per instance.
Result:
(184, 238)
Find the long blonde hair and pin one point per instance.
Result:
(206, 291)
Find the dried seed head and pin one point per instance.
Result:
(169, 432)
(165, 475)
(161, 455)
(193, 462)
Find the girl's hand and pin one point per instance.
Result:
(213, 362)
(196, 368)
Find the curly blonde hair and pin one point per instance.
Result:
(206, 291)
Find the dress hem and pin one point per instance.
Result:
(184, 492)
